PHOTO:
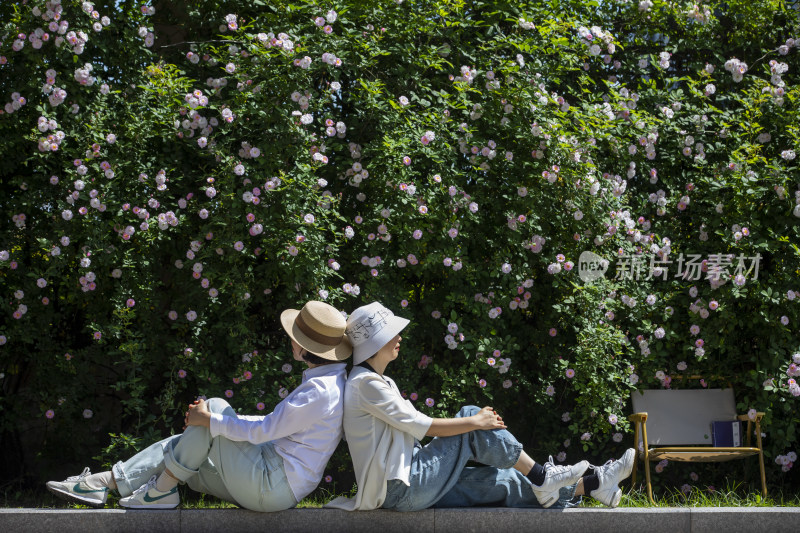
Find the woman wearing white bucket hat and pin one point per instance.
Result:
(394, 471)
(262, 463)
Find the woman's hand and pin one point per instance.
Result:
(198, 414)
(486, 418)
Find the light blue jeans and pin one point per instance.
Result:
(440, 478)
(250, 475)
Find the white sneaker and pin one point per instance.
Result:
(609, 475)
(147, 497)
(74, 489)
(555, 478)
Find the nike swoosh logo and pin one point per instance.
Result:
(77, 488)
(147, 498)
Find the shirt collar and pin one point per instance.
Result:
(324, 370)
(365, 365)
(367, 369)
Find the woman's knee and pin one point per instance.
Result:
(468, 410)
(218, 405)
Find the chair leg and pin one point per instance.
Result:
(761, 459)
(646, 449)
(647, 475)
(636, 447)
(763, 477)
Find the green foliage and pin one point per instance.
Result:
(451, 159)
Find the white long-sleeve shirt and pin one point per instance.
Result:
(380, 427)
(305, 427)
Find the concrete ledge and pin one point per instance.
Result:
(750, 519)
(314, 520)
(575, 520)
(657, 519)
(86, 520)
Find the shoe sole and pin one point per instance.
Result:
(549, 502)
(150, 506)
(618, 495)
(616, 499)
(633, 463)
(74, 498)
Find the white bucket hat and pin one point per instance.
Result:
(370, 327)
(319, 329)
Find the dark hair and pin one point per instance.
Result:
(309, 357)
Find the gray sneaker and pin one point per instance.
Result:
(74, 489)
(148, 497)
(609, 475)
(555, 478)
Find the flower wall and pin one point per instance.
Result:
(176, 174)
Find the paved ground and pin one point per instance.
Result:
(495, 520)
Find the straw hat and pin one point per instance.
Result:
(370, 327)
(319, 329)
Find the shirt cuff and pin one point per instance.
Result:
(420, 426)
(216, 424)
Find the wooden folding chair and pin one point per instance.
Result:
(678, 424)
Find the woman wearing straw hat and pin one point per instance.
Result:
(262, 463)
(394, 471)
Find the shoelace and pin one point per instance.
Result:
(86, 472)
(151, 484)
(604, 464)
(596, 468)
(550, 464)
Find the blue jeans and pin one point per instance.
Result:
(439, 476)
(250, 475)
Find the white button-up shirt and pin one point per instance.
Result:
(380, 427)
(305, 427)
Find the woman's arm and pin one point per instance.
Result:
(302, 408)
(383, 401)
(486, 418)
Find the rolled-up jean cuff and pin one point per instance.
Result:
(514, 455)
(177, 470)
(123, 485)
